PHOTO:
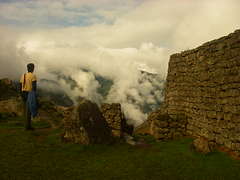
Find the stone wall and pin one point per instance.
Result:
(115, 118)
(204, 85)
(86, 123)
(165, 127)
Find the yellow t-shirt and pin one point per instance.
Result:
(29, 78)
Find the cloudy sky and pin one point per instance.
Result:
(113, 38)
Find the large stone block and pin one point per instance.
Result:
(115, 119)
(86, 125)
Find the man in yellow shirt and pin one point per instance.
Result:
(28, 83)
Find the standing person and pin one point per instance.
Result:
(28, 84)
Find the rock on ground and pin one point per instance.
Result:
(202, 145)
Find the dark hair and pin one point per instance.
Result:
(30, 67)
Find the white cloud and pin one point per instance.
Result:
(12, 58)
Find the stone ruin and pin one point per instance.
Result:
(165, 127)
(108, 119)
(86, 123)
(202, 95)
(10, 102)
(116, 119)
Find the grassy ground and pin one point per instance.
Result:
(40, 154)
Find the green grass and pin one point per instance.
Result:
(18, 123)
(40, 154)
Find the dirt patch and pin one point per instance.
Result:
(41, 133)
(232, 154)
